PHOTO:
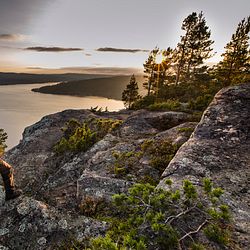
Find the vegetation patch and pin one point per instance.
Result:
(127, 164)
(200, 103)
(160, 152)
(150, 218)
(186, 130)
(80, 137)
(170, 105)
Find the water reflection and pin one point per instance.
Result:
(20, 107)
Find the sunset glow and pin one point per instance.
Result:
(69, 36)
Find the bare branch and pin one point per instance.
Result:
(193, 232)
(170, 219)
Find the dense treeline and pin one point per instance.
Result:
(180, 75)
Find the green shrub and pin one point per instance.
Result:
(125, 162)
(80, 137)
(197, 246)
(172, 105)
(103, 244)
(70, 128)
(144, 102)
(104, 125)
(81, 140)
(200, 103)
(150, 218)
(161, 152)
(216, 233)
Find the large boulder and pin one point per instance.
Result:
(219, 149)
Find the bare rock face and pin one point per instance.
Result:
(219, 149)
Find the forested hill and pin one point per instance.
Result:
(23, 78)
(109, 87)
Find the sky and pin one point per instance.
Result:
(42, 36)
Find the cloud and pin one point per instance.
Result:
(103, 70)
(34, 67)
(52, 49)
(87, 70)
(11, 37)
(109, 49)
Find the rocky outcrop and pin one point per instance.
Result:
(55, 186)
(219, 149)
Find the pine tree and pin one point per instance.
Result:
(194, 47)
(157, 72)
(149, 70)
(130, 94)
(235, 65)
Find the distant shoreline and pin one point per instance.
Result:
(108, 87)
(25, 78)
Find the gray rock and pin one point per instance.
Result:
(219, 149)
(92, 185)
(2, 195)
(30, 224)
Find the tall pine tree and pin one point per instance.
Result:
(149, 71)
(235, 65)
(157, 69)
(194, 47)
(130, 94)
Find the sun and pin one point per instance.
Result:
(159, 58)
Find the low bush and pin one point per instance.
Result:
(80, 137)
(127, 164)
(144, 102)
(171, 105)
(150, 218)
(160, 152)
(81, 140)
(200, 103)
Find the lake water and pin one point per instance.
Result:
(20, 107)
